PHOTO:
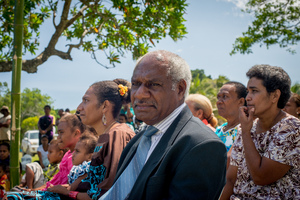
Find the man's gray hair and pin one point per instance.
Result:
(178, 69)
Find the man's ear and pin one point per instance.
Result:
(181, 86)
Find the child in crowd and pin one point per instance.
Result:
(4, 153)
(34, 176)
(69, 130)
(43, 152)
(123, 119)
(4, 182)
(81, 161)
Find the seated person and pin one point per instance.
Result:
(292, 107)
(5, 153)
(123, 119)
(43, 152)
(4, 181)
(128, 111)
(265, 156)
(81, 159)
(82, 155)
(69, 129)
(34, 176)
(231, 97)
(201, 108)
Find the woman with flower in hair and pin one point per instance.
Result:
(100, 108)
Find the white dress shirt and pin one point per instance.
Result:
(162, 127)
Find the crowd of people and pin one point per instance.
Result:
(150, 139)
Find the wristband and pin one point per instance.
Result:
(73, 194)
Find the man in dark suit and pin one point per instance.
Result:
(186, 160)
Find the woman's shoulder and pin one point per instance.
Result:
(288, 124)
(121, 129)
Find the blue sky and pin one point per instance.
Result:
(212, 27)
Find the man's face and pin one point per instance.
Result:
(60, 112)
(4, 153)
(152, 96)
(4, 112)
(47, 111)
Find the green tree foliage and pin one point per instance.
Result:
(30, 123)
(205, 85)
(4, 94)
(32, 101)
(99, 27)
(296, 88)
(276, 22)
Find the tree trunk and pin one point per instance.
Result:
(16, 95)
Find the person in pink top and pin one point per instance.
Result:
(69, 132)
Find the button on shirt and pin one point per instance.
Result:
(162, 126)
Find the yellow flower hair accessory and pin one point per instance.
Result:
(122, 89)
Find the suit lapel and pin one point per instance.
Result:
(160, 150)
(130, 153)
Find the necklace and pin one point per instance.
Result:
(109, 126)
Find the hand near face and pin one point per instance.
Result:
(58, 189)
(246, 117)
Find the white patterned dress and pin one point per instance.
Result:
(281, 144)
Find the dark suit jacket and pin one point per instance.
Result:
(189, 162)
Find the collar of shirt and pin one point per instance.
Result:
(162, 127)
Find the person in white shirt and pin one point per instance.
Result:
(185, 159)
(43, 152)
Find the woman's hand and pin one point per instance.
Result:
(246, 119)
(59, 189)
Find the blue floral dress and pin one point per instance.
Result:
(228, 137)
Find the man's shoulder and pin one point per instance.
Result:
(197, 131)
(47, 117)
(43, 117)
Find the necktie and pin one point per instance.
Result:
(125, 182)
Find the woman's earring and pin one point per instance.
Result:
(104, 120)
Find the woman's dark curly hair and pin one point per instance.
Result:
(273, 78)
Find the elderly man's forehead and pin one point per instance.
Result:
(153, 56)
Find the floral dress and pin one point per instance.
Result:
(105, 161)
(227, 137)
(78, 170)
(282, 144)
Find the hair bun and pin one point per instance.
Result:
(124, 88)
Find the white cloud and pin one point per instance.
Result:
(241, 4)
